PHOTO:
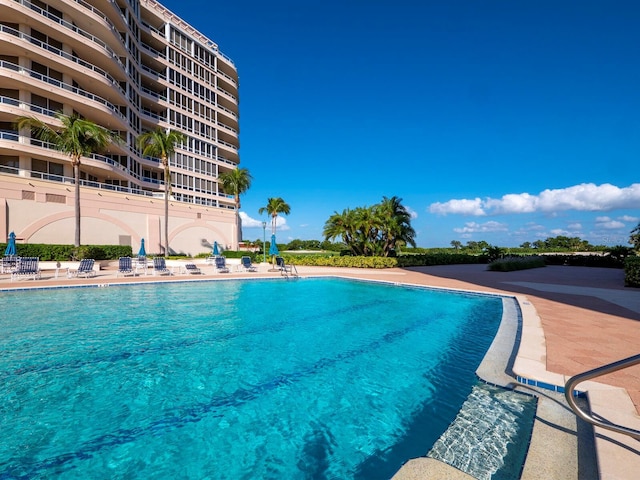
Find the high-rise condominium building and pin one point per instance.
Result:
(131, 66)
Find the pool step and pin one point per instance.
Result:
(489, 437)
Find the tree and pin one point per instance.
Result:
(456, 244)
(473, 246)
(274, 207)
(394, 225)
(76, 137)
(343, 225)
(236, 182)
(376, 230)
(161, 144)
(634, 239)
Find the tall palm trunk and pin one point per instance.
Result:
(238, 238)
(76, 179)
(167, 181)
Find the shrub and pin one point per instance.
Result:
(632, 272)
(240, 254)
(510, 264)
(606, 261)
(431, 259)
(340, 261)
(90, 251)
(61, 253)
(419, 260)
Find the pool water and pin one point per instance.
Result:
(315, 378)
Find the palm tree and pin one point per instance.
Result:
(76, 137)
(236, 182)
(161, 143)
(274, 207)
(377, 230)
(350, 226)
(395, 221)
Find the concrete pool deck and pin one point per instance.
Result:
(574, 319)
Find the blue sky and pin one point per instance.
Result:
(495, 120)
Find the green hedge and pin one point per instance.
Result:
(61, 253)
(510, 264)
(383, 262)
(431, 259)
(632, 272)
(339, 261)
(606, 261)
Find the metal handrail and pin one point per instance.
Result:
(596, 372)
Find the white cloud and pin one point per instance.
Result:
(248, 222)
(574, 226)
(583, 197)
(556, 232)
(629, 218)
(608, 223)
(473, 227)
(281, 223)
(460, 207)
(412, 212)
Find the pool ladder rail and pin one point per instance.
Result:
(287, 270)
(596, 372)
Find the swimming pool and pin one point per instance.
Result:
(316, 378)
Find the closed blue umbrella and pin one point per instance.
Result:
(273, 248)
(216, 251)
(11, 245)
(142, 252)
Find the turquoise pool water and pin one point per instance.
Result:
(315, 378)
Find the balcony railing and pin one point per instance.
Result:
(61, 53)
(153, 94)
(73, 28)
(28, 106)
(57, 83)
(14, 137)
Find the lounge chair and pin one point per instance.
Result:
(85, 269)
(9, 263)
(26, 267)
(285, 269)
(190, 268)
(125, 267)
(160, 267)
(245, 262)
(221, 265)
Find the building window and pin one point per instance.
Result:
(50, 170)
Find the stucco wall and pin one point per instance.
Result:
(31, 210)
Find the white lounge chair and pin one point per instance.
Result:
(245, 262)
(125, 267)
(191, 268)
(26, 267)
(221, 265)
(85, 269)
(160, 266)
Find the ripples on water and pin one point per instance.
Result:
(318, 378)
